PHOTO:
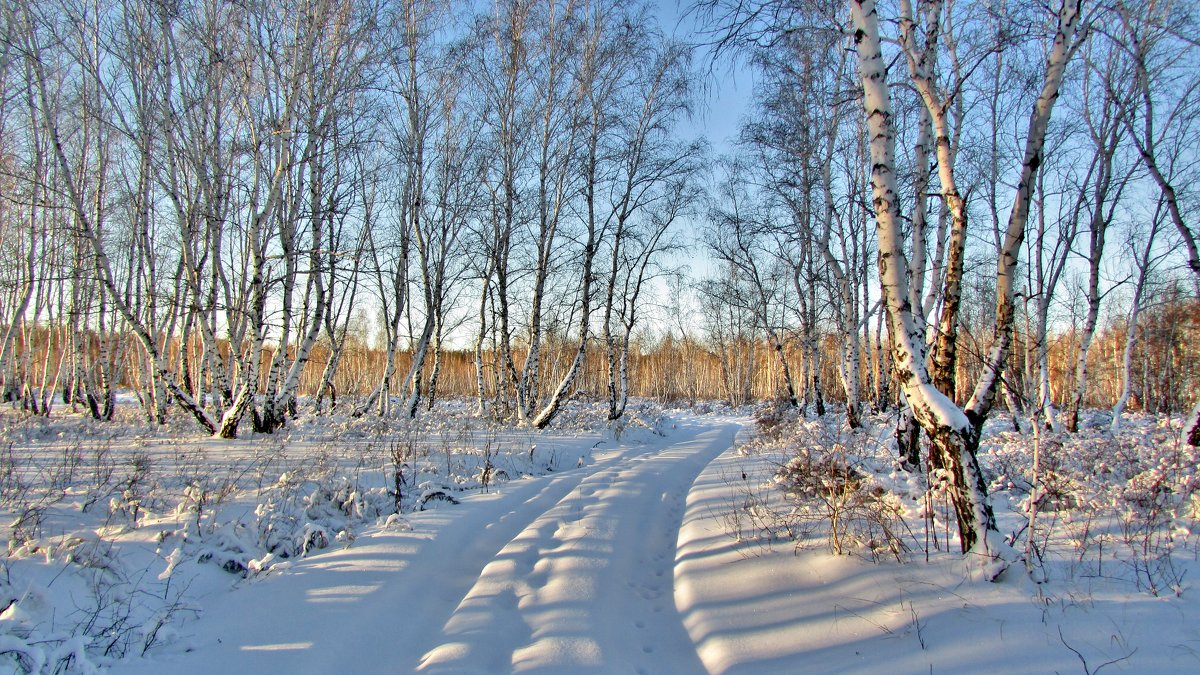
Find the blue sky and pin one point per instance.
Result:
(729, 87)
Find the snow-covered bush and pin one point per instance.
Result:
(296, 516)
(824, 486)
(1121, 506)
(116, 610)
(828, 479)
(111, 527)
(1115, 506)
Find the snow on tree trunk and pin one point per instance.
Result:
(550, 410)
(289, 388)
(1045, 408)
(949, 428)
(248, 387)
(908, 439)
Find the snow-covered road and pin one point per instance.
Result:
(569, 572)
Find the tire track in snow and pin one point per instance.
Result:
(568, 571)
(589, 585)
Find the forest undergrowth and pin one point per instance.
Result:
(112, 530)
(1093, 507)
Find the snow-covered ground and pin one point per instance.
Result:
(572, 570)
(663, 546)
(759, 605)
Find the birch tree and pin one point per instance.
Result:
(499, 70)
(1102, 116)
(814, 164)
(1056, 220)
(953, 431)
(652, 181)
(429, 101)
(738, 238)
(554, 140)
(1160, 116)
(1145, 259)
(33, 29)
(596, 83)
(337, 52)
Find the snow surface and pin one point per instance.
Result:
(630, 554)
(569, 572)
(756, 609)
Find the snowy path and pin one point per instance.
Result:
(569, 572)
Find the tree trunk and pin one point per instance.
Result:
(954, 434)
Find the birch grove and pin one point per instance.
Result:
(239, 192)
(370, 207)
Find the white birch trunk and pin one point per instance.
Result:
(1089, 323)
(393, 347)
(480, 385)
(1062, 50)
(415, 378)
(1146, 140)
(949, 428)
(1144, 263)
(92, 237)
